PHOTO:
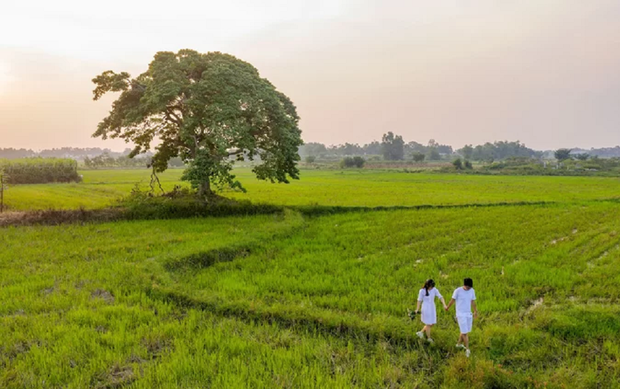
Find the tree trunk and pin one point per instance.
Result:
(205, 189)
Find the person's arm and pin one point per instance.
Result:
(473, 306)
(440, 297)
(449, 304)
(417, 309)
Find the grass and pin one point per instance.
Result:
(100, 188)
(367, 188)
(293, 300)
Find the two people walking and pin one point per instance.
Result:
(465, 299)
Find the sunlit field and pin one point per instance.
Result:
(290, 300)
(367, 188)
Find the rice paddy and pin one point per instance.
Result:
(365, 188)
(297, 301)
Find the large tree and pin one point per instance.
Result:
(205, 109)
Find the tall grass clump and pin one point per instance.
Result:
(39, 170)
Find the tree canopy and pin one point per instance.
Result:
(207, 109)
(562, 154)
(497, 151)
(392, 146)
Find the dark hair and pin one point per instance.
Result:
(428, 284)
(468, 282)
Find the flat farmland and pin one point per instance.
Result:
(348, 188)
(290, 300)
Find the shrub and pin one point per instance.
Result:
(39, 170)
(468, 164)
(496, 166)
(184, 202)
(310, 159)
(458, 164)
(357, 162)
(418, 157)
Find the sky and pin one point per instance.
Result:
(544, 72)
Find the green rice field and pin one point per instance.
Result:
(367, 188)
(295, 301)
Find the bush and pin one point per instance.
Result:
(458, 164)
(184, 202)
(582, 156)
(357, 162)
(468, 164)
(562, 154)
(39, 170)
(310, 159)
(496, 166)
(418, 157)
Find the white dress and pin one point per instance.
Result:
(429, 313)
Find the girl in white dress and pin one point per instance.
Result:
(426, 298)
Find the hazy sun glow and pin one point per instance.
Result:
(5, 77)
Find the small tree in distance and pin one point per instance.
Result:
(467, 151)
(433, 154)
(357, 162)
(392, 147)
(562, 154)
(582, 156)
(418, 157)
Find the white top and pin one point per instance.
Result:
(463, 300)
(431, 295)
(429, 313)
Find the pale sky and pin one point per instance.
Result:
(545, 72)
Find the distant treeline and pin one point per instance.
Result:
(63, 152)
(39, 170)
(393, 147)
(605, 152)
(90, 158)
(107, 161)
(498, 151)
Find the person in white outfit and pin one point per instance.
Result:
(465, 298)
(426, 298)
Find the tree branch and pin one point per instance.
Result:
(173, 117)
